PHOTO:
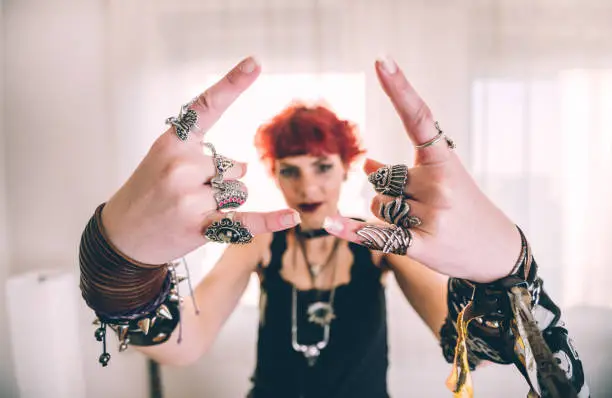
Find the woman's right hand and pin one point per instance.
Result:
(161, 212)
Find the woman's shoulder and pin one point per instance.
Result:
(263, 240)
(255, 252)
(264, 243)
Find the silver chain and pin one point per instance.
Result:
(310, 351)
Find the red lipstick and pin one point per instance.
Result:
(309, 207)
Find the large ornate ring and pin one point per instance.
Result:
(227, 230)
(388, 239)
(441, 134)
(186, 120)
(229, 194)
(390, 180)
(397, 212)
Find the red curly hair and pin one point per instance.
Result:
(307, 130)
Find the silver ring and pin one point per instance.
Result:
(186, 120)
(441, 134)
(388, 239)
(390, 180)
(222, 165)
(229, 194)
(397, 212)
(227, 230)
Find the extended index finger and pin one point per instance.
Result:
(212, 103)
(413, 111)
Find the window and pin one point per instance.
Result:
(542, 149)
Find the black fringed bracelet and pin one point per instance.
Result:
(504, 329)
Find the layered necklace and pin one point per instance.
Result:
(320, 312)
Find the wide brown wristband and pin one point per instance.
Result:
(111, 282)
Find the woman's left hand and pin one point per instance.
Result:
(462, 233)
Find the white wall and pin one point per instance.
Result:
(8, 387)
(58, 143)
(59, 158)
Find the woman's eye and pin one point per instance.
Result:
(288, 172)
(325, 167)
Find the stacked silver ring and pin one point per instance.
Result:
(441, 134)
(390, 180)
(397, 212)
(227, 230)
(186, 120)
(389, 240)
(228, 194)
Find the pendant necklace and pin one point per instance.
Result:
(319, 312)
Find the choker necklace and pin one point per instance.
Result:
(311, 233)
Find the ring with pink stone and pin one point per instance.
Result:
(229, 194)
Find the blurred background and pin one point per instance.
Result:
(523, 86)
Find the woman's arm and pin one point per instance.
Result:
(216, 296)
(169, 207)
(437, 215)
(425, 289)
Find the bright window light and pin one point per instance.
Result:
(541, 150)
(233, 137)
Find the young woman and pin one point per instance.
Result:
(322, 330)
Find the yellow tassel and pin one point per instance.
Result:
(460, 380)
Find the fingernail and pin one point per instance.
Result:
(388, 64)
(289, 220)
(248, 65)
(332, 225)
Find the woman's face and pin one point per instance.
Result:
(311, 185)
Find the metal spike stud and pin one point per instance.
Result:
(164, 312)
(122, 331)
(144, 325)
(159, 337)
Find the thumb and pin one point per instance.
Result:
(371, 165)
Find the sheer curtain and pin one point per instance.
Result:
(541, 133)
(523, 86)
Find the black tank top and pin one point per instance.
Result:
(354, 363)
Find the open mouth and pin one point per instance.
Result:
(309, 207)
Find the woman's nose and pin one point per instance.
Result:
(310, 187)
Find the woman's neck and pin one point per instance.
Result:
(310, 233)
(317, 247)
(314, 223)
